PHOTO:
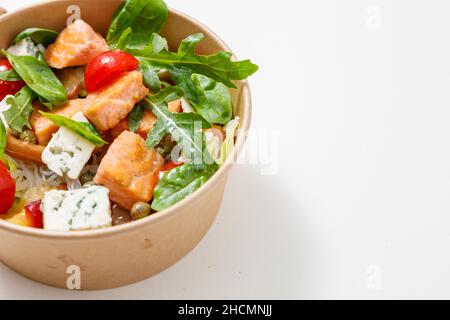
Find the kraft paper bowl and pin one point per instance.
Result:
(129, 253)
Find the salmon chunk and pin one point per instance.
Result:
(129, 170)
(175, 106)
(73, 80)
(148, 120)
(75, 46)
(106, 108)
(44, 128)
(23, 150)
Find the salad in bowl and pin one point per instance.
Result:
(100, 131)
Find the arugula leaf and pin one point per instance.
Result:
(185, 128)
(179, 183)
(151, 78)
(40, 78)
(218, 66)
(165, 96)
(143, 16)
(135, 117)
(83, 129)
(38, 35)
(10, 75)
(2, 138)
(157, 133)
(21, 107)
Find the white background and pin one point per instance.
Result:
(358, 92)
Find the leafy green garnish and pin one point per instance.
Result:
(2, 138)
(185, 128)
(144, 17)
(179, 183)
(150, 72)
(38, 35)
(10, 75)
(203, 79)
(218, 66)
(83, 129)
(40, 78)
(212, 100)
(135, 117)
(167, 95)
(21, 107)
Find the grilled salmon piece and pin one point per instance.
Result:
(23, 150)
(148, 120)
(106, 108)
(129, 170)
(73, 80)
(44, 128)
(75, 46)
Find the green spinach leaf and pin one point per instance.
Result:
(124, 39)
(179, 183)
(143, 16)
(10, 75)
(213, 100)
(40, 78)
(38, 35)
(83, 129)
(21, 106)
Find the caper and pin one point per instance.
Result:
(166, 145)
(86, 178)
(140, 210)
(28, 136)
(83, 94)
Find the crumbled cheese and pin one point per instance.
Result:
(80, 209)
(67, 153)
(26, 47)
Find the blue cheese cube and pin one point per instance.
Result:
(26, 47)
(67, 153)
(81, 209)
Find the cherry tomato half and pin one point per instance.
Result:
(34, 215)
(7, 189)
(8, 87)
(108, 67)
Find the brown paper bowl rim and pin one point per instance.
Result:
(245, 122)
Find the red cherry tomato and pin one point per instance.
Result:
(7, 189)
(108, 67)
(33, 215)
(8, 87)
